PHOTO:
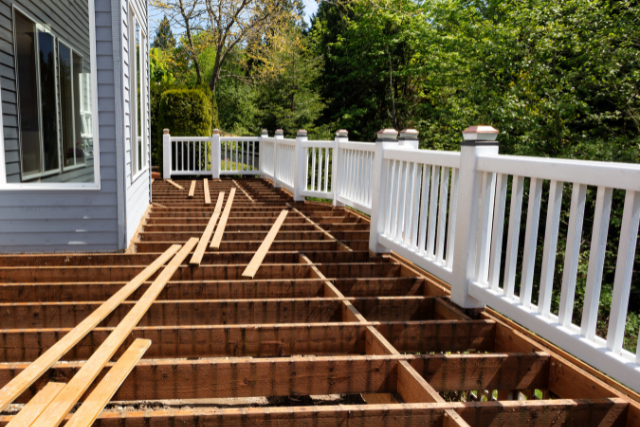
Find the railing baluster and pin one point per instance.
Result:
(433, 210)
(313, 169)
(453, 211)
(416, 206)
(182, 144)
(396, 204)
(624, 271)
(402, 206)
(411, 185)
(442, 216)
(596, 262)
(424, 206)
(484, 227)
(497, 231)
(550, 247)
(326, 169)
(513, 236)
(391, 170)
(237, 162)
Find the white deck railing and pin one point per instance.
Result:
(447, 213)
(239, 155)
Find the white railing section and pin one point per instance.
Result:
(190, 155)
(458, 215)
(582, 340)
(420, 213)
(268, 158)
(318, 164)
(285, 162)
(239, 155)
(355, 167)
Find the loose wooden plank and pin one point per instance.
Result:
(34, 408)
(207, 196)
(196, 259)
(104, 391)
(178, 186)
(67, 398)
(257, 259)
(217, 238)
(14, 388)
(243, 191)
(192, 190)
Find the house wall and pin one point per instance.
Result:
(77, 220)
(138, 186)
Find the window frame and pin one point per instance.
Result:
(40, 186)
(136, 155)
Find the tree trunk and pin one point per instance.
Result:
(393, 99)
(217, 68)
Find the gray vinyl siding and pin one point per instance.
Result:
(78, 220)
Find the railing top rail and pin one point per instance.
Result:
(624, 176)
(318, 144)
(240, 138)
(439, 158)
(190, 138)
(360, 146)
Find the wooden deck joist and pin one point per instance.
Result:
(321, 317)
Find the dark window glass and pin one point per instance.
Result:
(48, 100)
(28, 95)
(78, 94)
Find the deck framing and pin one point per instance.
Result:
(321, 316)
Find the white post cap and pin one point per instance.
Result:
(216, 132)
(302, 133)
(165, 131)
(386, 135)
(408, 135)
(342, 133)
(480, 133)
(265, 132)
(279, 132)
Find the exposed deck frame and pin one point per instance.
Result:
(321, 316)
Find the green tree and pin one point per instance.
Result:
(164, 36)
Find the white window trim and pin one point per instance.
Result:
(133, 97)
(43, 186)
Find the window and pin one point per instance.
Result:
(137, 92)
(54, 130)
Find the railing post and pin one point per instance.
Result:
(166, 154)
(341, 136)
(215, 155)
(279, 135)
(300, 164)
(478, 141)
(408, 139)
(263, 135)
(385, 138)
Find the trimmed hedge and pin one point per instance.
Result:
(185, 112)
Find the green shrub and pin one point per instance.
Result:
(185, 112)
(156, 131)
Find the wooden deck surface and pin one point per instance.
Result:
(324, 334)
